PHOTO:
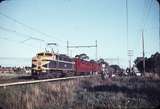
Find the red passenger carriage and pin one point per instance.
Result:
(84, 67)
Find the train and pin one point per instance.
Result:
(50, 65)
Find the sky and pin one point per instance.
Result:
(81, 22)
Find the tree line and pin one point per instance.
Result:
(152, 64)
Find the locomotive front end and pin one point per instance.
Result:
(40, 64)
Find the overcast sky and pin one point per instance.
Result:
(81, 22)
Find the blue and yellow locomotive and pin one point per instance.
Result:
(48, 65)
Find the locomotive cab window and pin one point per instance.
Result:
(48, 54)
(34, 60)
(40, 54)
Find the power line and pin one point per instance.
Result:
(21, 34)
(27, 26)
(28, 37)
(7, 39)
(13, 31)
(15, 58)
(4, 38)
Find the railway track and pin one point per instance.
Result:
(14, 83)
(15, 79)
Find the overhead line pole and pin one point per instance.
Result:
(130, 54)
(127, 29)
(127, 23)
(143, 53)
(159, 23)
(67, 48)
(83, 46)
(96, 51)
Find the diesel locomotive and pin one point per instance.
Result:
(49, 65)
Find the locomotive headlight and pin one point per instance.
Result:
(43, 70)
(39, 67)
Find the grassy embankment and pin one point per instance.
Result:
(90, 93)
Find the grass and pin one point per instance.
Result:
(84, 93)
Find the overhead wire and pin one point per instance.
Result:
(21, 34)
(27, 26)
(17, 33)
(32, 29)
(28, 37)
(7, 39)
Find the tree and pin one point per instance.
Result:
(116, 68)
(93, 61)
(82, 56)
(156, 62)
(102, 62)
(139, 63)
(152, 64)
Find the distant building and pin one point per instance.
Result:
(6, 70)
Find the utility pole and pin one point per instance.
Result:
(96, 51)
(130, 54)
(127, 22)
(118, 60)
(67, 48)
(129, 57)
(143, 53)
(159, 23)
(83, 46)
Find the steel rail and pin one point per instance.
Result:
(44, 80)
